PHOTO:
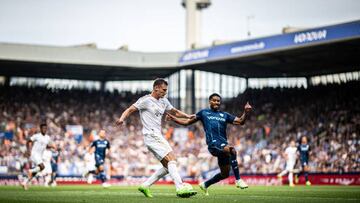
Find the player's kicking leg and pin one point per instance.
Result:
(32, 173)
(182, 189)
(145, 187)
(102, 176)
(158, 145)
(89, 176)
(281, 174)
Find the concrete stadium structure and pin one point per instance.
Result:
(307, 53)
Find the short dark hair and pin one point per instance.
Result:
(43, 124)
(214, 95)
(159, 81)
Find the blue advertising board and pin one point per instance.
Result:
(284, 41)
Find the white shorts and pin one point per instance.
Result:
(290, 166)
(158, 145)
(47, 169)
(36, 159)
(90, 167)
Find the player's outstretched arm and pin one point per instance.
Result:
(91, 149)
(180, 114)
(108, 152)
(29, 143)
(126, 114)
(240, 120)
(187, 121)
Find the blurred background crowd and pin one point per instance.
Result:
(329, 115)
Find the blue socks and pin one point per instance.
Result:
(306, 176)
(213, 180)
(235, 166)
(102, 176)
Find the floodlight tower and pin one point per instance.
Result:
(193, 20)
(193, 34)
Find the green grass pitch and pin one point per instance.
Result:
(96, 193)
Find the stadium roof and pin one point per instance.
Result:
(316, 51)
(85, 63)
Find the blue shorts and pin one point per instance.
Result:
(218, 151)
(304, 162)
(99, 160)
(54, 167)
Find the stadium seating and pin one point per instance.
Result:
(329, 115)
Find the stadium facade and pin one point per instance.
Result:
(328, 53)
(227, 69)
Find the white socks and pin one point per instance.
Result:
(35, 170)
(290, 177)
(155, 177)
(47, 180)
(174, 174)
(283, 172)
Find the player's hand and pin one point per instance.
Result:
(247, 108)
(192, 116)
(119, 122)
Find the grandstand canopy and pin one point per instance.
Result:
(316, 51)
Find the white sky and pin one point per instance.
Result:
(158, 25)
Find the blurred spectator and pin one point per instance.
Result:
(328, 115)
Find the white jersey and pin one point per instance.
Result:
(47, 155)
(40, 143)
(151, 111)
(291, 154)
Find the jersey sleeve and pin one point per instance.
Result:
(33, 138)
(50, 142)
(229, 118)
(199, 115)
(140, 103)
(93, 144)
(108, 145)
(168, 105)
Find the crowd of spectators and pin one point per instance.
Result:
(328, 115)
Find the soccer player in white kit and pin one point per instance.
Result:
(152, 108)
(37, 143)
(290, 156)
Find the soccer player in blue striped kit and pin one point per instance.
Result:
(101, 148)
(214, 122)
(304, 150)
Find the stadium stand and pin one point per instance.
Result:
(327, 114)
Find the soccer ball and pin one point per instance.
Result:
(187, 186)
